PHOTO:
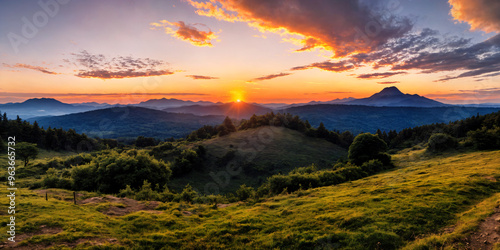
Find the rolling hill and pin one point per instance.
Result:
(256, 152)
(356, 118)
(237, 110)
(427, 202)
(42, 107)
(129, 122)
(169, 103)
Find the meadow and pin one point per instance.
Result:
(427, 201)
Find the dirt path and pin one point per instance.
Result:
(488, 233)
(19, 238)
(121, 206)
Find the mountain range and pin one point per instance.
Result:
(387, 110)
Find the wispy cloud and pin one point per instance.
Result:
(379, 75)
(28, 94)
(269, 77)
(32, 67)
(199, 77)
(187, 32)
(99, 66)
(388, 82)
(339, 66)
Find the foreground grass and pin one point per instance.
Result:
(409, 206)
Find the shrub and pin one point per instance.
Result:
(441, 142)
(188, 194)
(146, 193)
(485, 138)
(127, 192)
(245, 192)
(366, 147)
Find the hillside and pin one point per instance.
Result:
(358, 119)
(438, 200)
(129, 122)
(260, 153)
(236, 110)
(42, 107)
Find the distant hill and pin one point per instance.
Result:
(392, 97)
(256, 151)
(169, 103)
(41, 107)
(356, 118)
(129, 122)
(237, 110)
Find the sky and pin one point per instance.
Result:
(280, 51)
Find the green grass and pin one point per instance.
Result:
(261, 152)
(405, 207)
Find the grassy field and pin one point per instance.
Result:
(427, 202)
(260, 152)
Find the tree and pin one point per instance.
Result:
(440, 142)
(229, 125)
(322, 132)
(26, 152)
(367, 147)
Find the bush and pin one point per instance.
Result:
(441, 142)
(485, 138)
(188, 194)
(372, 166)
(146, 193)
(127, 192)
(366, 147)
(244, 192)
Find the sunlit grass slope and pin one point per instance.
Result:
(260, 153)
(423, 195)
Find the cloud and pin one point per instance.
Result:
(27, 66)
(269, 77)
(187, 32)
(388, 82)
(430, 52)
(198, 77)
(339, 66)
(379, 75)
(99, 66)
(343, 27)
(480, 14)
(474, 94)
(28, 94)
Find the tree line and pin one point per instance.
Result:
(50, 138)
(287, 120)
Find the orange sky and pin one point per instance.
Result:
(251, 50)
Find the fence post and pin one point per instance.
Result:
(74, 197)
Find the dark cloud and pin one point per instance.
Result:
(99, 66)
(388, 82)
(429, 52)
(342, 26)
(187, 32)
(379, 75)
(339, 66)
(269, 77)
(480, 14)
(199, 77)
(32, 67)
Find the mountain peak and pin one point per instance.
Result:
(42, 100)
(392, 91)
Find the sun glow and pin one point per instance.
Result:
(238, 100)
